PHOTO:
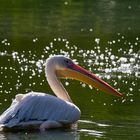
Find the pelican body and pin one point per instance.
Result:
(42, 111)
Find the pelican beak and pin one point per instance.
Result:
(78, 73)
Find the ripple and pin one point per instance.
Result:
(92, 132)
(95, 123)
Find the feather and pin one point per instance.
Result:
(35, 106)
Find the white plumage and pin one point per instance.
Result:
(39, 107)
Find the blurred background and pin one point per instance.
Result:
(101, 35)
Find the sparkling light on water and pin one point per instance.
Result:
(106, 64)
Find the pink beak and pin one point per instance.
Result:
(94, 81)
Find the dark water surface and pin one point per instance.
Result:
(102, 36)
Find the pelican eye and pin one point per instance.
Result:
(68, 63)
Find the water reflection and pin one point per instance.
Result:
(51, 135)
(88, 127)
(94, 133)
(98, 130)
(110, 129)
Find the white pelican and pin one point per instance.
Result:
(41, 111)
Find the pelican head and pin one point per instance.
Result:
(64, 67)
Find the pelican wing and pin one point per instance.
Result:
(39, 107)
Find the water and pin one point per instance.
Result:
(102, 36)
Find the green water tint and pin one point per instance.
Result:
(101, 36)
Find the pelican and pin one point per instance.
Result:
(35, 110)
